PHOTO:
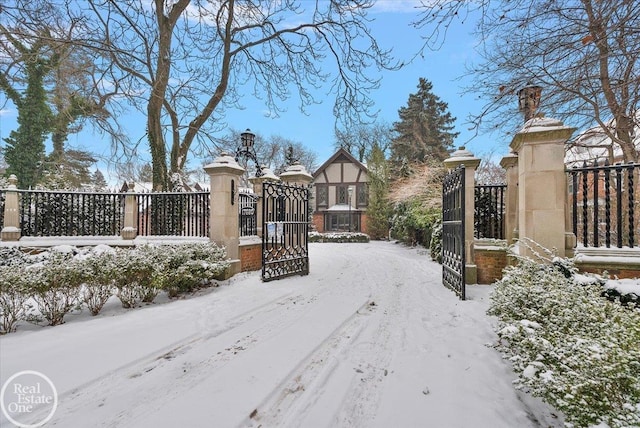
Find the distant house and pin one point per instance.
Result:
(594, 145)
(341, 194)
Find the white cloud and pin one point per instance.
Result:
(6, 112)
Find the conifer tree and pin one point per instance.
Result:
(424, 131)
(378, 209)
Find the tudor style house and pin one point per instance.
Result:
(340, 195)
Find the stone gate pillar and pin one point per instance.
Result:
(224, 175)
(510, 164)
(542, 185)
(11, 228)
(130, 230)
(462, 156)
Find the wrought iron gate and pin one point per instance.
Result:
(453, 248)
(285, 224)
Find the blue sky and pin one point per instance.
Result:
(315, 129)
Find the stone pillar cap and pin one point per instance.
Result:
(540, 124)
(296, 170)
(225, 162)
(462, 156)
(267, 174)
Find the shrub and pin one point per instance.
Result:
(55, 285)
(133, 277)
(14, 305)
(12, 256)
(412, 222)
(340, 237)
(568, 345)
(188, 267)
(101, 270)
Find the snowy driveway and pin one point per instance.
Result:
(370, 338)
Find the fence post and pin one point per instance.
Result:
(224, 175)
(462, 156)
(129, 229)
(11, 228)
(256, 182)
(510, 164)
(542, 185)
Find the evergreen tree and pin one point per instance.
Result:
(99, 182)
(379, 209)
(25, 145)
(424, 129)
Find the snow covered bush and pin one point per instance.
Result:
(14, 299)
(100, 270)
(568, 345)
(133, 277)
(12, 256)
(187, 267)
(340, 237)
(55, 285)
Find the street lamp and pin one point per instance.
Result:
(246, 150)
(350, 193)
(529, 100)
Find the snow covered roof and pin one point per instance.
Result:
(594, 144)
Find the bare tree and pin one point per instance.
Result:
(360, 139)
(190, 59)
(584, 53)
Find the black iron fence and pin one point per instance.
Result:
(173, 213)
(48, 213)
(247, 212)
(605, 204)
(2, 198)
(489, 211)
(60, 213)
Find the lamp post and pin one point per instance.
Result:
(246, 150)
(529, 100)
(350, 192)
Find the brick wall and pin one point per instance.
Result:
(250, 256)
(490, 261)
(318, 222)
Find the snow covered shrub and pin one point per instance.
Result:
(187, 267)
(12, 256)
(55, 285)
(14, 299)
(568, 345)
(100, 270)
(133, 277)
(340, 237)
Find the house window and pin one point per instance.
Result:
(362, 195)
(339, 222)
(322, 196)
(342, 195)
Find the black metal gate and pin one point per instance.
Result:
(453, 248)
(285, 224)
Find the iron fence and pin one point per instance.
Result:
(489, 211)
(173, 213)
(247, 212)
(604, 204)
(49, 213)
(2, 199)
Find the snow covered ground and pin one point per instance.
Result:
(371, 338)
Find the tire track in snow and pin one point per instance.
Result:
(293, 398)
(175, 363)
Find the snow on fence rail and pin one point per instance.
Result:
(46, 213)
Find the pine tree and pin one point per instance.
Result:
(424, 129)
(378, 209)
